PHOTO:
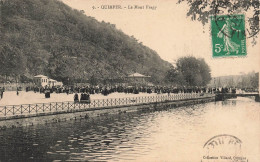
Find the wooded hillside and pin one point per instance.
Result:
(48, 37)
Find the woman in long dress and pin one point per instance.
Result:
(226, 32)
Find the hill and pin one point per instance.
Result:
(48, 37)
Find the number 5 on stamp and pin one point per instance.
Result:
(228, 35)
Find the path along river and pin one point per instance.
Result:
(171, 135)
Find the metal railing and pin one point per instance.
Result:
(17, 110)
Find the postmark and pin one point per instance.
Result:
(223, 148)
(228, 35)
(231, 8)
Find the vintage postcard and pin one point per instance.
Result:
(129, 80)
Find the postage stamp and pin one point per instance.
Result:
(228, 35)
(223, 147)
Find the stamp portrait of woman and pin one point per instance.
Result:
(226, 33)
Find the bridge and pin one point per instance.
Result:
(224, 96)
(247, 94)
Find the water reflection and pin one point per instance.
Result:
(174, 135)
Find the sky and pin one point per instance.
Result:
(165, 28)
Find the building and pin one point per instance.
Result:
(58, 84)
(42, 81)
(137, 79)
(52, 82)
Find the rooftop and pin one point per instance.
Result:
(137, 75)
(40, 76)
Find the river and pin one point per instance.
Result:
(171, 135)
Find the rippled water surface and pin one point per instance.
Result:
(171, 135)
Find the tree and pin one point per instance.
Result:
(12, 61)
(201, 10)
(93, 80)
(176, 77)
(190, 71)
(255, 80)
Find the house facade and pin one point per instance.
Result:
(43, 81)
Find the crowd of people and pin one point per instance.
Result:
(84, 97)
(86, 91)
(82, 93)
(106, 90)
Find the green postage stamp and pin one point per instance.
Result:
(228, 35)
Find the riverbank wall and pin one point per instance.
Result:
(78, 114)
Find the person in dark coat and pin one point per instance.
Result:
(1, 93)
(76, 97)
(105, 92)
(88, 98)
(81, 97)
(47, 93)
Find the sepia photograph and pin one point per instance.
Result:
(129, 80)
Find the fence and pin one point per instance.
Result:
(16, 110)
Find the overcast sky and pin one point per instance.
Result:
(169, 32)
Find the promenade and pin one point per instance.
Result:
(10, 97)
(27, 103)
